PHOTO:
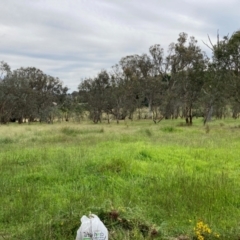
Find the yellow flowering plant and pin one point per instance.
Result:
(203, 231)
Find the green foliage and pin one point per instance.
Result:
(29, 93)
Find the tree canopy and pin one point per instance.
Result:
(181, 82)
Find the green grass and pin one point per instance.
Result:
(162, 177)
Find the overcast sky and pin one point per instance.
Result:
(75, 39)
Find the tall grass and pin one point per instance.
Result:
(151, 179)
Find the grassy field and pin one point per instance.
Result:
(144, 180)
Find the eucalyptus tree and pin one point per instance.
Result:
(221, 85)
(29, 93)
(153, 82)
(71, 107)
(132, 80)
(160, 91)
(117, 104)
(93, 92)
(145, 96)
(47, 92)
(144, 81)
(233, 57)
(21, 98)
(5, 70)
(188, 64)
(5, 108)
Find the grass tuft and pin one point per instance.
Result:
(145, 155)
(148, 132)
(168, 129)
(6, 140)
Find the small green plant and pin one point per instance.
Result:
(148, 132)
(70, 131)
(116, 165)
(145, 154)
(168, 129)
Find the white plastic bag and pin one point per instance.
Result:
(92, 228)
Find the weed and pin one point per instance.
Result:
(168, 129)
(137, 228)
(116, 165)
(202, 231)
(145, 155)
(148, 132)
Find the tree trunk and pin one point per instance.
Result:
(190, 117)
(208, 115)
(20, 120)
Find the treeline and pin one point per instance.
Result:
(28, 93)
(184, 82)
